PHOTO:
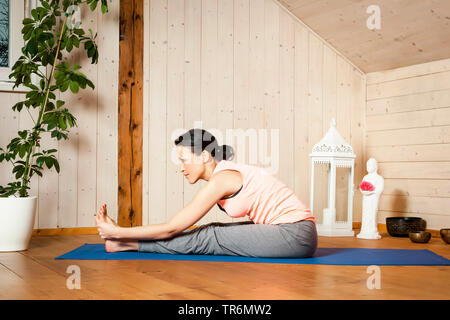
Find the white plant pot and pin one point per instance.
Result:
(16, 222)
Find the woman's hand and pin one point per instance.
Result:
(107, 228)
(108, 231)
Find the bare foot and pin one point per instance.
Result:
(117, 245)
(103, 216)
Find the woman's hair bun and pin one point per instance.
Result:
(223, 152)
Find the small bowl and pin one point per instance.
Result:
(420, 237)
(445, 235)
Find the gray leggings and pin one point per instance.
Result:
(287, 240)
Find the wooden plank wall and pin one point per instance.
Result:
(242, 64)
(88, 160)
(408, 132)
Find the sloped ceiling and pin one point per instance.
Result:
(412, 31)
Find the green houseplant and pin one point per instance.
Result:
(49, 36)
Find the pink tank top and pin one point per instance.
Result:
(264, 198)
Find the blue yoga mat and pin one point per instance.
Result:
(325, 256)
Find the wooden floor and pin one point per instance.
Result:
(34, 274)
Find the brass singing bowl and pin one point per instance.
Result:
(445, 235)
(420, 237)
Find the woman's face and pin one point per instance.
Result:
(191, 165)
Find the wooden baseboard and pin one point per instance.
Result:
(64, 231)
(383, 229)
(69, 231)
(93, 230)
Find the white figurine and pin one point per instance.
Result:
(370, 202)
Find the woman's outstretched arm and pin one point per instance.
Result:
(202, 202)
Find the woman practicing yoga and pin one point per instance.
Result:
(280, 225)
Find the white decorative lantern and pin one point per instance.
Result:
(336, 152)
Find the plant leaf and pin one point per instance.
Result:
(56, 164)
(74, 87)
(62, 123)
(48, 162)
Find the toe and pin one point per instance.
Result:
(102, 214)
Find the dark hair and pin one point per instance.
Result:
(200, 140)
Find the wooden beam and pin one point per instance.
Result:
(130, 113)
